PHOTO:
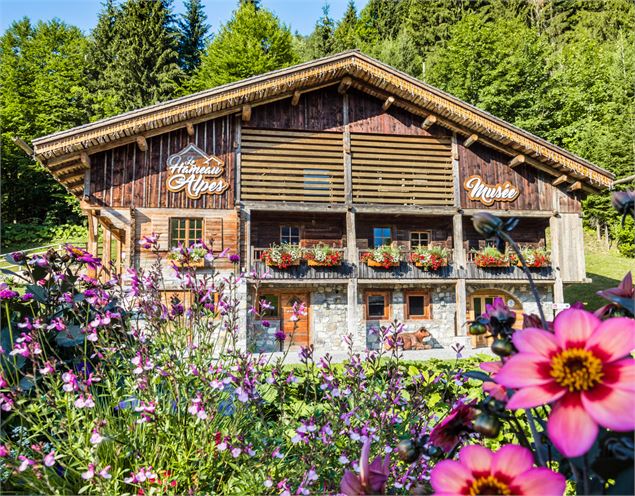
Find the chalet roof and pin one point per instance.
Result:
(65, 151)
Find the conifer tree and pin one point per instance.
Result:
(141, 63)
(321, 41)
(345, 34)
(252, 42)
(192, 36)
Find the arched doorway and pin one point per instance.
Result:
(476, 304)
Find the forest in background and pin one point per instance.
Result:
(561, 69)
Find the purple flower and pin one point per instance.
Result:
(7, 294)
(265, 323)
(26, 297)
(280, 336)
(235, 258)
(49, 460)
(372, 476)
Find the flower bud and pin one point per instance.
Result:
(502, 347)
(477, 328)
(407, 451)
(624, 201)
(486, 224)
(487, 425)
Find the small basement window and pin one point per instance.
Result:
(186, 231)
(381, 236)
(417, 305)
(290, 235)
(377, 305)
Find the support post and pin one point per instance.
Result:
(461, 308)
(459, 266)
(387, 104)
(558, 288)
(470, 140)
(295, 99)
(430, 121)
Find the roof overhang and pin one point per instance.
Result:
(65, 153)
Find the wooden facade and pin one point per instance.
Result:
(333, 149)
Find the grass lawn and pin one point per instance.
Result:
(605, 267)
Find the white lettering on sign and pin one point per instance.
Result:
(487, 194)
(193, 171)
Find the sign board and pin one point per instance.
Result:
(195, 172)
(487, 194)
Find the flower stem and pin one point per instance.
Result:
(532, 285)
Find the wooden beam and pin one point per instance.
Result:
(84, 158)
(23, 146)
(389, 101)
(575, 186)
(559, 180)
(430, 121)
(295, 99)
(470, 140)
(246, 113)
(345, 84)
(517, 160)
(142, 143)
(190, 129)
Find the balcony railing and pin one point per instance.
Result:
(303, 270)
(406, 269)
(512, 272)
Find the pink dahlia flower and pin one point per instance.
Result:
(494, 389)
(448, 433)
(508, 471)
(582, 369)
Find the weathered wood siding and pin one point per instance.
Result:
(265, 227)
(571, 248)
(536, 190)
(127, 177)
(440, 227)
(292, 166)
(529, 232)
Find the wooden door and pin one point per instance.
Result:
(298, 331)
(477, 305)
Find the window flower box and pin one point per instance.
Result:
(536, 258)
(282, 256)
(193, 256)
(384, 257)
(430, 259)
(490, 257)
(323, 256)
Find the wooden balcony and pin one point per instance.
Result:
(302, 271)
(472, 271)
(405, 270)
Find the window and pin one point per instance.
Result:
(377, 305)
(290, 234)
(186, 231)
(381, 236)
(417, 305)
(419, 239)
(272, 300)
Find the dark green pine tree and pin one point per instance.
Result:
(345, 34)
(321, 41)
(192, 36)
(252, 42)
(141, 63)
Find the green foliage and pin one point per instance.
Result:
(24, 236)
(133, 56)
(41, 71)
(345, 34)
(193, 30)
(321, 42)
(625, 237)
(252, 42)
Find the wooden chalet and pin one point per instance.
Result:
(343, 151)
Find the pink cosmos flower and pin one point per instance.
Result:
(508, 471)
(372, 476)
(582, 370)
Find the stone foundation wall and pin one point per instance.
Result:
(328, 319)
(441, 324)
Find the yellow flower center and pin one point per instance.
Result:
(488, 485)
(576, 369)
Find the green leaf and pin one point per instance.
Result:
(39, 293)
(71, 336)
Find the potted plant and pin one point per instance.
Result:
(193, 256)
(323, 256)
(385, 256)
(490, 257)
(282, 256)
(430, 259)
(535, 258)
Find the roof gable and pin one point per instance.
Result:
(368, 74)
